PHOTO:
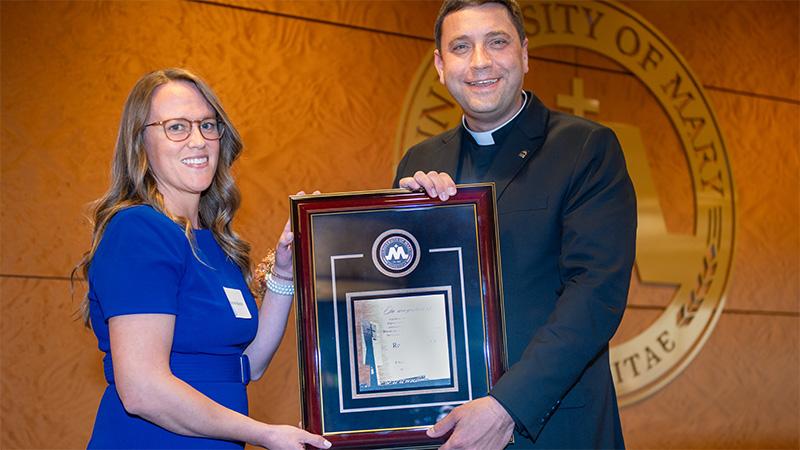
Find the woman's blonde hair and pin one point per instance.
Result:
(133, 183)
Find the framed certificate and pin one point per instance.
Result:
(399, 310)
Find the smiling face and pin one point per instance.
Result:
(183, 170)
(483, 63)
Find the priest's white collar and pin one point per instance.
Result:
(485, 137)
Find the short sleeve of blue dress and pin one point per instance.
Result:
(144, 264)
(138, 266)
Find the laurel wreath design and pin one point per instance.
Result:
(688, 310)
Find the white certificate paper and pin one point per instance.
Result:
(402, 342)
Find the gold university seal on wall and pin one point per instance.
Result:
(675, 155)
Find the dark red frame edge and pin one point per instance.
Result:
(482, 195)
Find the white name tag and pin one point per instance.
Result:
(236, 299)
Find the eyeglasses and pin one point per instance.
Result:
(178, 130)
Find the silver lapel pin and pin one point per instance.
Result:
(523, 154)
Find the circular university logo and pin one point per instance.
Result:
(691, 265)
(395, 253)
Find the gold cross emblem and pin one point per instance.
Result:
(577, 102)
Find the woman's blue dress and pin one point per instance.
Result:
(144, 264)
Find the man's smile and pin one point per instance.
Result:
(483, 83)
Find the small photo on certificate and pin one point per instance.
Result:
(402, 343)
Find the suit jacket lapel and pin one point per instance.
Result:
(520, 145)
(446, 159)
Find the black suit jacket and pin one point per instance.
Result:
(567, 221)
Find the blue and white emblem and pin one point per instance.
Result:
(395, 253)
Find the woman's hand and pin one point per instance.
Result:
(283, 249)
(286, 437)
(283, 252)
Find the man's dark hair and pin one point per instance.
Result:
(451, 6)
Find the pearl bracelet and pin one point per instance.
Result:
(279, 288)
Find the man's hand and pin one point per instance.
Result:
(436, 184)
(481, 424)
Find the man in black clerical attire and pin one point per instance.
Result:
(567, 220)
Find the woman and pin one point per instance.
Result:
(168, 281)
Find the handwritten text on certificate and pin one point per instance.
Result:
(402, 342)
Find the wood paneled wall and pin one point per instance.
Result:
(316, 89)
